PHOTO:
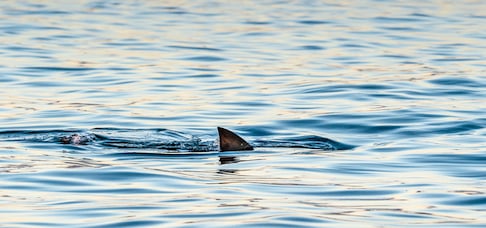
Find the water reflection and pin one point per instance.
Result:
(226, 160)
(223, 160)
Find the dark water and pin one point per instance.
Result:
(363, 113)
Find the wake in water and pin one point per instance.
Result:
(163, 140)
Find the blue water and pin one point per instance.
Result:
(362, 113)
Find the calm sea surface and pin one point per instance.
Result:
(363, 113)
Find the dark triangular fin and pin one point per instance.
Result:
(229, 141)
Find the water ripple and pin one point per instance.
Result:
(358, 114)
(206, 58)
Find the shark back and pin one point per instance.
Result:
(229, 141)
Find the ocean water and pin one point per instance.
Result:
(362, 113)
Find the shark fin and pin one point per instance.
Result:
(229, 141)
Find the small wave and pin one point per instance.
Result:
(309, 142)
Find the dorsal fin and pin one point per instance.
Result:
(229, 141)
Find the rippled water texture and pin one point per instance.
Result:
(362, 113)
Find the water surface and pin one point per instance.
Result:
(363, 113)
